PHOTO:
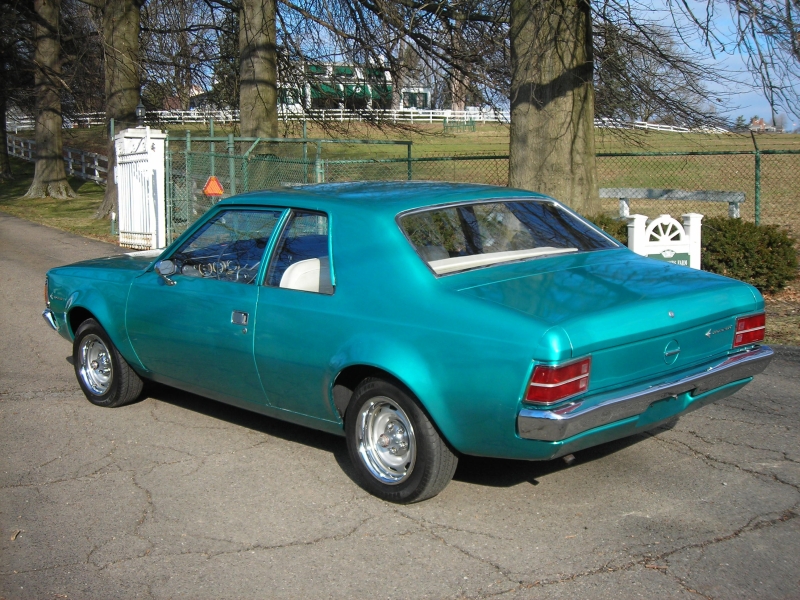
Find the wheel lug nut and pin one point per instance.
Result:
(393, 449)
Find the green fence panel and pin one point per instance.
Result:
(772, 176)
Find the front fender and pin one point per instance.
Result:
(108, 309)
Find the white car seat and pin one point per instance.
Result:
(310, 275)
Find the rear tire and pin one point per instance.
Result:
(395, 449)
(104, 376)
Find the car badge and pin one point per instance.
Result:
(671, 314)
(711, 332)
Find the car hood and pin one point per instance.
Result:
(132, 261)
(621, 300)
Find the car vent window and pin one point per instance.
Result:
(301, 260)
(230, 247)
(467, 236)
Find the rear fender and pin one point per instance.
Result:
(404, 363)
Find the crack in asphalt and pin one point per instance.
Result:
(712, 441)
(714, 462)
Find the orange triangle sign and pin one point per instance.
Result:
(213, 187)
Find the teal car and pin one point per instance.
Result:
(421, 321)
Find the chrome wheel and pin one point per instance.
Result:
(95, 368)
(386, 442)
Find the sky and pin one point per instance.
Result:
(743, 98)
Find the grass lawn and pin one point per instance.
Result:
(75, 215)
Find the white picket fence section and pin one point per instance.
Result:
(139, 175)
(84, 165)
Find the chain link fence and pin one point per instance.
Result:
(770, 179)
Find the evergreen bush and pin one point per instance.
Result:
(762, 255)
(616, 228)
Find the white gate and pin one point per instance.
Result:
(666, 239)
(139, 174)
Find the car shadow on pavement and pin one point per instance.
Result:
(488, 472)
(245, 418)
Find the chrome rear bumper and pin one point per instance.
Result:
(566, 421)
(49, 316)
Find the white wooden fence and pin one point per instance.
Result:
(139, 174)
(81, 164)
(295, 113)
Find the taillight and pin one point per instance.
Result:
(749, 330)
(46, 292)
(551, 384)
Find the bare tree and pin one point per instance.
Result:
(258, 74)
(552, 101)
(119, 28)
(50, 178)
(16, 70)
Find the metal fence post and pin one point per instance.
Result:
(757, 191)
(409, 161)
(319, 168)
(189, 178)
(211, 146)
(169, 192)
(231, 163)
(305, 151)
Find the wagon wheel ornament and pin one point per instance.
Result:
(665, 229)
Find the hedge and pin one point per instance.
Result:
(764, 256)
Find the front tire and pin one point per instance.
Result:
(104, 376)
(397, 452)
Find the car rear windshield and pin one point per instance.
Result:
(468, 236)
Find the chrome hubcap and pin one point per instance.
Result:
(386, 442)
(95, 365)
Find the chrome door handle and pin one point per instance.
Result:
(239, 318)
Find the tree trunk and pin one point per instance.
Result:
(258, 69)
(552, 101)
(50, 177)
(120, 24)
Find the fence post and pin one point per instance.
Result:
(189, 178)
(319, 169)
(211, 146)
(231, 164)
(168, 192)
(757, 194)
(305, 151)
(409, 160)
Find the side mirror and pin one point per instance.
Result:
(165, 268)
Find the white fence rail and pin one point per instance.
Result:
(80, 164)
(293, 113)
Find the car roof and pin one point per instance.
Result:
(389, 196)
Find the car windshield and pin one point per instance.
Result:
(468, 236)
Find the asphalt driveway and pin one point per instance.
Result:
(176, 496)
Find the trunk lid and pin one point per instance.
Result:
(637, 317)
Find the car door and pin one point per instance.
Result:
(194, 329)
(297, 319)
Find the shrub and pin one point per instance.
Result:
(762, 255)
(616, 228)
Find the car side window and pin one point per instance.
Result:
(301, 260)
(229, 247)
